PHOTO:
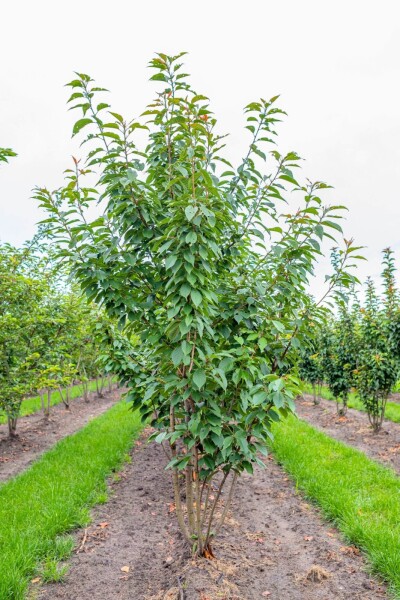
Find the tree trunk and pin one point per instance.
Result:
(99, 387)
(317, 388)
(202, 513)
(377, 416)
(315, 399)
(341, 408)
(12, 426)
(86, 391)
(65, 399)
(47, 407)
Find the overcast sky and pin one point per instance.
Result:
(335, 64)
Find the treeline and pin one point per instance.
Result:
(50, 337)
(360, 349)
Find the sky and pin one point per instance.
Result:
(336, 66)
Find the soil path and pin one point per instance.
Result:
(37, 434)
(277, 546)
(354, 430)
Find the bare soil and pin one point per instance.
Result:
(354, 429)
(37, 434)
(274, 546)
(395, 397)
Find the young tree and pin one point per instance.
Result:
(379, 352)
(341, 359)
(209, 266)
(20, 297)
(338, 343)
(378, 369)
(310, 367)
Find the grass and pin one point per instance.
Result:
(392, 412)
(40, 506)
(360, 496)
(32, 405)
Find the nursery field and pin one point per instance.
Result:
(233, 436)
(353, 429)
(38, 433)
(321, 521)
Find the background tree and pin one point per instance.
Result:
(379, 358)
(338, 344)
(20, 297)
(310, 367)
(341, 358)
(49, 335)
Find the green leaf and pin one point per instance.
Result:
(279, 326)
(191, 237)
(196, 297)
(102, 106)
(171, 260)
(80, 125)
(259, 398)
(248, 466)
(161, 437)
(177, 356)
(190, 212)
(262, 343)
(199, 378)
(185, 290)
(333, 225)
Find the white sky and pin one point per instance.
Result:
(336, 66)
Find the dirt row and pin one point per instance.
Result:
(275, 546)
(354, 430)
(37, 434)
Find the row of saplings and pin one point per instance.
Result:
(360, 350)
(50, 338)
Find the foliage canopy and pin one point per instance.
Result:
(207, 263)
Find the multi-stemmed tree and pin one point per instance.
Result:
(208, 264)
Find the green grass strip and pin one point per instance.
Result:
(392, 412)
(359, 495)
(53, 497)
(32, 405)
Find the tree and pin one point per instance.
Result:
(379, 351)
(208, 265)
(338, 342)
(310, 367)
(341, 358)
(20, 297)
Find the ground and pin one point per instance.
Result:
(37, 434)
(354, 430)
(277, 546)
